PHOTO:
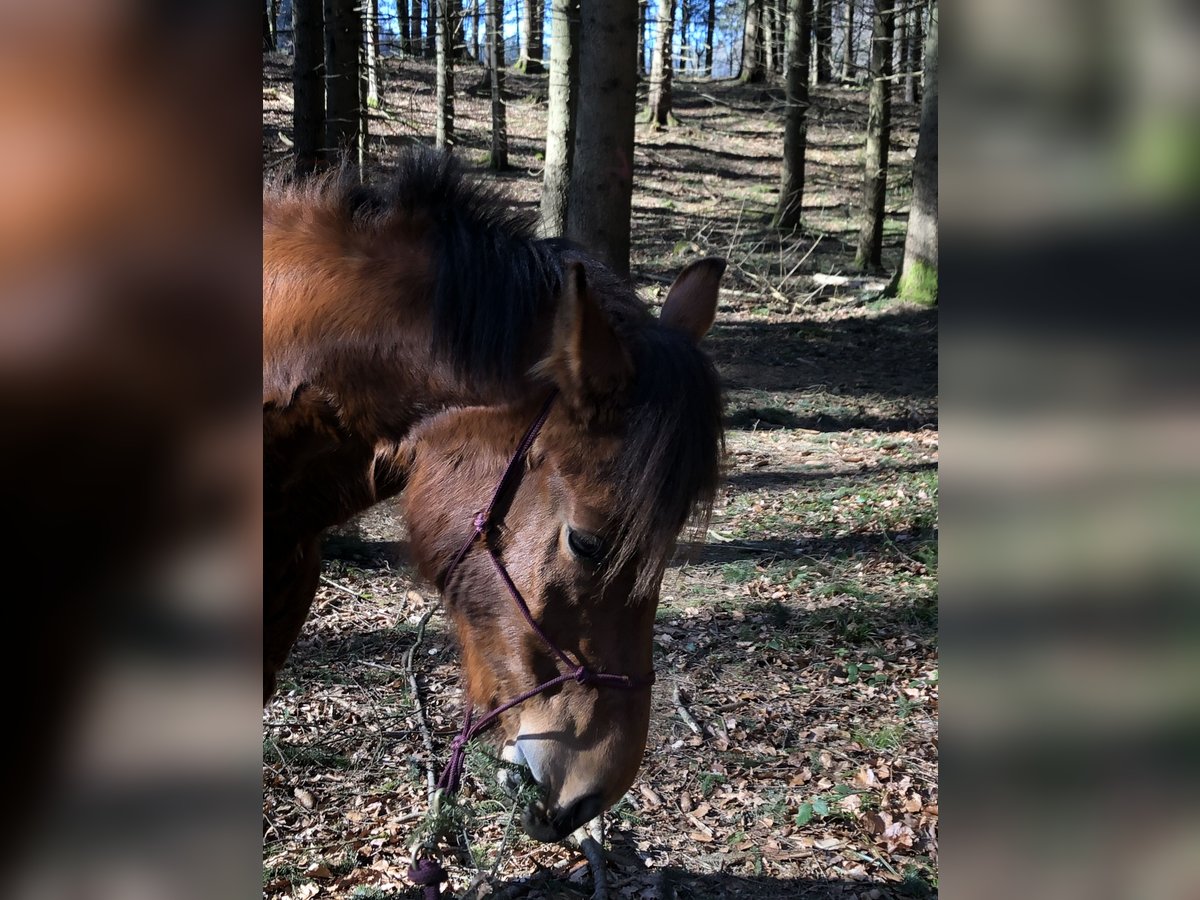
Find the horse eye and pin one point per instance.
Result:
(584, 545)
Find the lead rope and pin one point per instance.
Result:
(425, 870)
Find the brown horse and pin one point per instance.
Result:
(410, 338)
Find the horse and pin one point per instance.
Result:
(413, 337)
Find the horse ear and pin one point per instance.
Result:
(691, 304)
(587, 360)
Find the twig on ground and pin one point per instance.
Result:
(590, 838)
(343, 588)
(684, 714)
(422, 720)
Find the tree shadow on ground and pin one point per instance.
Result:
(758, 479)
(821, 550)
(893, 354)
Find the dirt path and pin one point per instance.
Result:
(801, 634)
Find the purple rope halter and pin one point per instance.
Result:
(484, 524)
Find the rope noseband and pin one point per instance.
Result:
(484, 525)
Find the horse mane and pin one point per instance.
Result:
(496, 280)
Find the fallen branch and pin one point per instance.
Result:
(684, 714)
(343, 588)
(422, 721)
(590, 838)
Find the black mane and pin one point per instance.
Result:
(495, 278)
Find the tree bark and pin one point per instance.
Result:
(498, 159)
(919, 271)
(900, 43)
(560, 126)
(916, 42)
(752, 55)
(444, 137)
(710, 29)
(659, 111)
(308, 113)
(822, 31)
(879, 114)
(685, 26)
(795, 138)
(769, 32)
(343, 92)
(602, 176)
(372, 54)
(848, 49)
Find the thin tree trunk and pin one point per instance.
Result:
(475, 30)
(900, 43)
(308, 113)
(658, 113)
(919, 272)
(269, 42)
(710, 28)
(533, 62)
(795, 137)
(343, 92)
(916, 41)
(495, 25)
(560, 126)
(879, 112)
(643, 6)
(685, 25)
(823, 39)
(416, 48)
(372, 55)
(602, 176)
(848, 50)
(445, 75)
(768, 31)
(402, 19)
(752, 58)
(431, 29)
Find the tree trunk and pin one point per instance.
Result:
(919, 272)
(269, 42)
(416, 48)
(560, 126)
(475, 30)
(823, 39)
(372, 54)
(498, 158)
(431, 29)
(308, 113)
(641, 41)
(752, 56)
(710, 29)
(848, 49)
(899, 43)
(795, 138)
(402, 20)
(768, 32)
(343, 93)
(879, 113)
(916, 28)
(530, 60)
(602, 176)
(659, 111)
(445, 74)
(685, 26)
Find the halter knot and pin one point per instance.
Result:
(583, 675)
(481, 522)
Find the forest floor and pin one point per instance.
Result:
(801, 635)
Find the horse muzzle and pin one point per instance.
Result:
(550, 824)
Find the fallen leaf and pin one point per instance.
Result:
(305, 798)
